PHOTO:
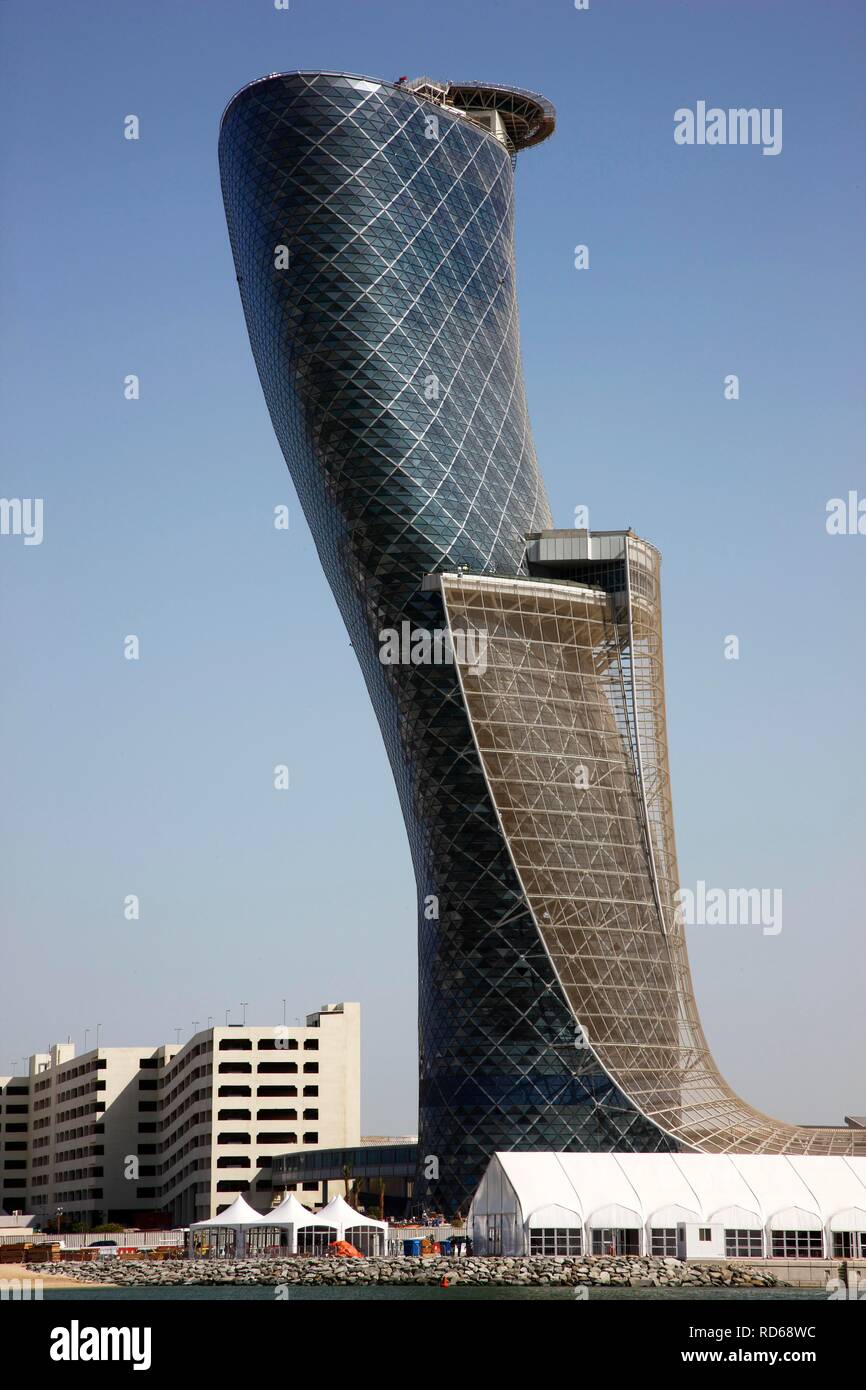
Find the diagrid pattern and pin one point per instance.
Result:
(372, 232)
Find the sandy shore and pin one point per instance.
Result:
(50, 1281)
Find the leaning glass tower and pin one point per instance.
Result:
(372, 228)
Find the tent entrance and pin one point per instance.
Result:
(610, 1240)
(314, 1240)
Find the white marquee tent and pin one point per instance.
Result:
(277, 1232)
(224, 1236)
(289, 1228)
(367, 1235)
(671, 1204)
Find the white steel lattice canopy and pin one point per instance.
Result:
(568, 715)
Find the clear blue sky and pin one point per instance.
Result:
(155, 777)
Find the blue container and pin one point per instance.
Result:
(445, 1247)
(411, 1247)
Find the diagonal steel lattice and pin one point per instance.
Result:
(376, 271)
(568, 714)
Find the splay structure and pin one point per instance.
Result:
(372, 230)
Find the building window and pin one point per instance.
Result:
(849, 1245)
(283, 1091)
(797, 1245)
(234, 1115)
(277, 1044)
(227, 1161)
(235, 1068)
(235, 1044)
(663, 1240)
(308, 1187)
(279, 1136)
(743, 1243)
(311, 1066)
(273, 1068)
(235, 1091)
(555, 1240)
(311, 1138)
(231, 1136)
(311, 1114)
(232, 1185)
(311, 1044)
(278, 1115)
(311, 1090)
(704, 1233)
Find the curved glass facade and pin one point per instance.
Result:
(388, 351)
(372, 234)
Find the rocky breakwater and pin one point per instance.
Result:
(595, 1271)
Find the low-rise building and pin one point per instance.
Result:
(171, 1134)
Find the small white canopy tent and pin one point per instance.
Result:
(278, 1232)
(366, 1234)
(224, 1236)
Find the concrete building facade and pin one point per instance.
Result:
(171, 1134)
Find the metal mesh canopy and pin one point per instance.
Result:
(568, 715)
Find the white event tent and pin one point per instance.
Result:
(289, 1228)
(277, 1232)
(685, 1205)
(224, 1236)
(367, 1235)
